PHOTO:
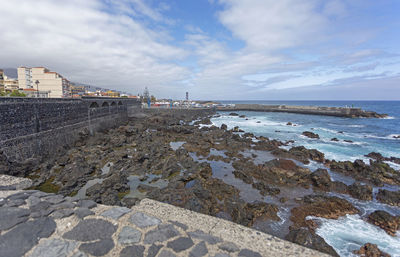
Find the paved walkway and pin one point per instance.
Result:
(33, 223)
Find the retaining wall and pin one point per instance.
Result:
(42, 127)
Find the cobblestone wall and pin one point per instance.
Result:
(40, 127)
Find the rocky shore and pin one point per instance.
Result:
(182, 160)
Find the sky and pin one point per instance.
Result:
(213, 49)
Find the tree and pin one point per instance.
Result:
(16, 93)
(153, 98)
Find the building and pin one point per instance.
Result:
(25, 77)
(30, 92)
(1, 80)
(78, 91)
(10, 84)
(51, 82)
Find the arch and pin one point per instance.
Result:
(104, 104)
(94, 105)
(119, 103)
(113, 104)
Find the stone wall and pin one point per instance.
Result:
(41, 127)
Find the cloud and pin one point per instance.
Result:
(270, 24)
(92, 42)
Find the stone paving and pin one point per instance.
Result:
(33, 223)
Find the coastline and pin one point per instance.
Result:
(208, 172)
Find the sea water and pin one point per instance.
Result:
(367, 134)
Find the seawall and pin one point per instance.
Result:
(314, 110)
(42, 127)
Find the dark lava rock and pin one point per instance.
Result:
(321, 179)
(180, 244)
(378, 173)
(91, 229)
(310, 134)
(335, 139)
(385, 221)
(248, 253)
(23, 237)
(321, 206)
(233, 114)
(371, 250)
(388, 197)
(135, 250)
(289, 124)
(98, 248)
(348, 141)
(303, 236)
(11, 216)
(224, 127)
(242, 116)
(362, 192)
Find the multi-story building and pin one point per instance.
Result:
(10, 84)
(52, 82)
(78, 91)
(25, 78)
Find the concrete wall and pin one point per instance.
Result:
(41, 127)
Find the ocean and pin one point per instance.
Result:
(365, 135)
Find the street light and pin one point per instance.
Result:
(37, 87)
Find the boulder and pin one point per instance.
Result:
(320, 206)
(362, 192)
(371, 250)
(310, 134)
(321, 179)
(388, 197)
(385, 221)
(307, 238)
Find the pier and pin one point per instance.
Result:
(314, 110)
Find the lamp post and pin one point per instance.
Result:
(37, 87)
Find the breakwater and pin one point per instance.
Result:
(39, 127)
(314, 110)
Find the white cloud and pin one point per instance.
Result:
(85, 43)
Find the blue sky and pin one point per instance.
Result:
(215, 49)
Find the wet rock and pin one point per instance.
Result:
(388, 197)
(334, 139)
(224, 127)
(303, 236)
(362, 192)
(348, 141)
(310, 134)
(320, 206)
(289, 124)
(321, 179)
(371, 250)
(233, 114)
(385, 221)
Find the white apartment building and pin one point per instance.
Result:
(52, 82)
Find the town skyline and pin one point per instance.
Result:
(286, 50)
